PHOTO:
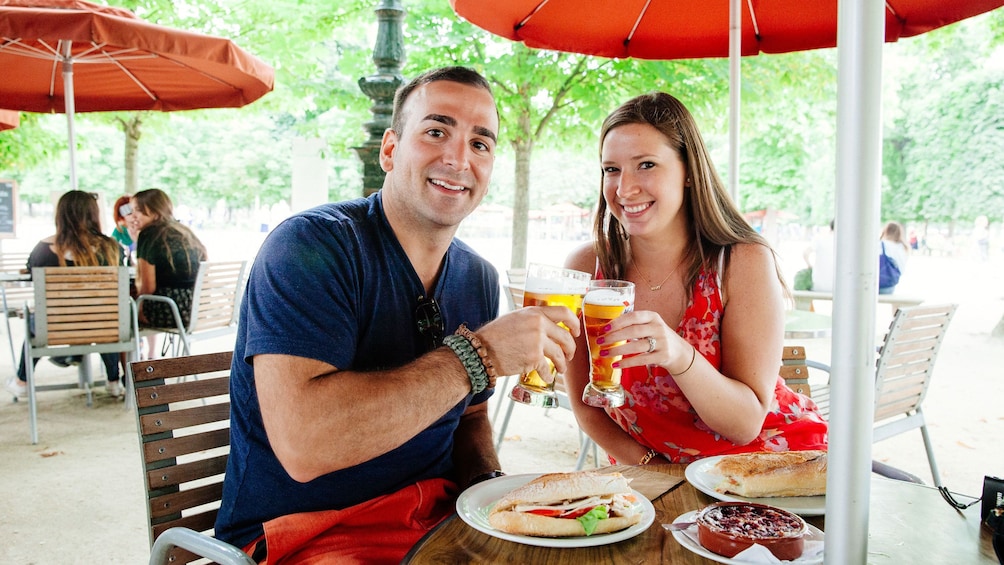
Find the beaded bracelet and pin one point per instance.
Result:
(471, 361)
(482, 350)
(648, 457)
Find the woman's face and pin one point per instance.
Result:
(643, 178)
(138, 219)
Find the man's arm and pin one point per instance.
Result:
(473, 449)
(319, 419)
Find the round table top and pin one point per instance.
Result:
(900, 531)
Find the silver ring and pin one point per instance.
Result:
(651, 345)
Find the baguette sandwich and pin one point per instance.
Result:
(566, 505)
(767, 473)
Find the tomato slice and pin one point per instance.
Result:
(546, 512)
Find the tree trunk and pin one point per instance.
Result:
(521, 204)
(132, 132)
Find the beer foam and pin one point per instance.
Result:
(556, 286)
(606, 297)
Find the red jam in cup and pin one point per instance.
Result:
(728, 528)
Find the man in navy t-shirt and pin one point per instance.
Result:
(354, 420)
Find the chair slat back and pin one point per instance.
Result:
(81, 305)
(184, 428)
(906, 360)
(517, 277)
(794, 370)
(216, 295)
(13, 262)
(15, 293)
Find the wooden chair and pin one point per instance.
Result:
(184, 429)
(903, 373)
(514, 289)
(14, 294)
(215, 305)
(78, 311)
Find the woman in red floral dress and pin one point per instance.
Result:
(702, 347)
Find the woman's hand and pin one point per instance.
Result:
(643, 338)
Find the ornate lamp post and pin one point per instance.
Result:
(388, 55)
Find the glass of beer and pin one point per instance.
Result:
(548, 286)
(605, 300)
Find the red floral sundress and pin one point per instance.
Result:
(658, 415)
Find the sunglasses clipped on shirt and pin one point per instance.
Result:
(429, 321)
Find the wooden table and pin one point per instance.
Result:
(909, 523)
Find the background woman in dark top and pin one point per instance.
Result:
(167, 259)
(78, 241)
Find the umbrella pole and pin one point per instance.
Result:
(860, 31)
(70, 108)
(735, 52)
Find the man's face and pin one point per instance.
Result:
(439, 166)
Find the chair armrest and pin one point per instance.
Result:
(817, 365)
(199, 544)
(890, 472)
(166, 300)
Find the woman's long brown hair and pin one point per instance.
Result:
(78, 232)
(157, 204)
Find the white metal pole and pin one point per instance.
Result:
(735, 57)
(70, 108)
(860, 34)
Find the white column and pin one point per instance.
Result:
(310, 174)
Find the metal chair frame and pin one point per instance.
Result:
(215, 305)
(903, 372)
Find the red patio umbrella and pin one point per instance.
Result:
(659, 29)
(9, 119)
(75, 56)
(654, 29)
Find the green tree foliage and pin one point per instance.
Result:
(942, 137)
(942, 152)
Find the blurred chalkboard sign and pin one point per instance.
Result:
(8, 208)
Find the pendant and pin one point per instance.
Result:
(655, 288)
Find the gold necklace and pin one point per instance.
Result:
(651, 287)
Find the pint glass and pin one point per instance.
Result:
(548, 286)
(605, 300)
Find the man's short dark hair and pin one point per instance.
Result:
(463, 75)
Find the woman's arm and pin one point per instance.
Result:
(735, 401)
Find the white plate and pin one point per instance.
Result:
(475, 503)
(702, 475)
(813, 551)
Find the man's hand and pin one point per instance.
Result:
(525, 339)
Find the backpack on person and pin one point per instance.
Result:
(888, 270)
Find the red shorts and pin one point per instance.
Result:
(381, 530)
